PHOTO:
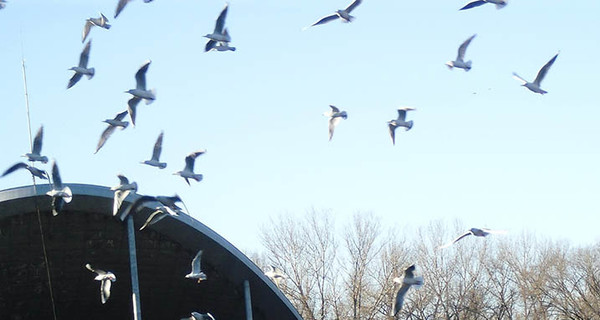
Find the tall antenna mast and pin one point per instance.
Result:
(26, 99)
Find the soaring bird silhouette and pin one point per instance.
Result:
(219, 34)
(535, 85)
(154, 161)
(113, 124)
(22, 165)
(399, 122)
(406, 282)
(35, 154)
(60, 194)
(483, 232)
(101, 22)
(82, 68)
(459, 62)
(188, 172)
(106, 278)
(335, 116)
(343, 14)
(499, 4)
(196, 272)
(140, 92)
(122, 191)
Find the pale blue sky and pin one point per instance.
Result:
(482, 150)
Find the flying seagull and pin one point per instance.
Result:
(459, 62)
(483, 232)
(406, 282)
(221, 46)
(499, 4)
(82, 68)
(122, 191)
(140, 91)
(2, 4)
(535, 85)
(188, 171)
(122, 4)
(136, 206)
(200, 316)
(101, 22)
(22, 165)
(275, 274)
(60, 194)
(113, 124)
(400, 122)
(105, 278)
(156, 154)
(168, 208)
(155, 217)
(335, 116)
(341, 14)
(37, 148)
(196, 272)
(220, 33)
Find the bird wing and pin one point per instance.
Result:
(494, 231)
(468, 233)
(120, 7)
(57, 205)
(518, 78)
(104, 19)
(325, 19)
(121, 115)
(140, 76)
(151, 219)
(353, 5)
(400, 298)
(473, 4)
(542, 73)
(85, 54)
(332, 123)
(191, 158)
(105, 135)
(123, 179)
(37, 141)
(210, 45)
(221, 20)
(105, 290)
(133, 208)
(392, 129)
(196, 267)
(15, 167)
(119, 197)
(131, 108)
(56, 180)
(89, 267)
(401, 115)
(157, 147)
(86, 30)
(334, 109)
(408, 272)
(463, 48)
(74, 79)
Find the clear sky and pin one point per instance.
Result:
(483, 149)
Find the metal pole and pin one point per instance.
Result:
(248, 300)
(135, 287)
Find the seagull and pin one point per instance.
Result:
(196, 272)
(60, 194)
(122, 191)
(200, 316)
(220, 34)
(105, 278)
(140, 91)
(82, 68)
(136, 205)
(113, 124)
(160, 213)
(169, 203)
(2, 4)
(459, 62)
(122, 4)
(342, 14)
(156, 154)
(213, 45)
(499, 4)
(535, 85)
(188, 171)
(400, 122)
(335, 116)
(406, 282)
(275, 274)
(483, 232)
(22, 165)
(101, 22)
(37, 148)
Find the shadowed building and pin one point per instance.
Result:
(36, 247)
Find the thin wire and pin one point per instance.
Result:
(39, 216)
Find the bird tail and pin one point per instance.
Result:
(107, 26)
(418, 282)
(69, 194)
(92, 72)
(153, 94)
(197, 177)
(468, 64)
(409, 125)
(500, 5)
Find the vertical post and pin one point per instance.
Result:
(248, 300)
(135, 287)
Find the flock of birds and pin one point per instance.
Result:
(166, 206)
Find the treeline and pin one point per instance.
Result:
(347, 273)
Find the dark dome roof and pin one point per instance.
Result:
(86, 232)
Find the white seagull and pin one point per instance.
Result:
(483, 232)
(223, 46)
(335, 116)
(2, 4)
(535, 85)
(341, 14)
(156, 154)
(37, 148)
(122, 4)
(22, 165)
(60, 194)
(140, 91)
(459, 62)
(188, 171)
(105, 278)
(499, 4)
(155, 217)
(400, 122)
(406, 282)
(196, 272)
(122, 191)
(170, 204)
(82, 68)
(275, 274)
(101, 22)
(200, 316)
(220, 33)
(113, 124)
